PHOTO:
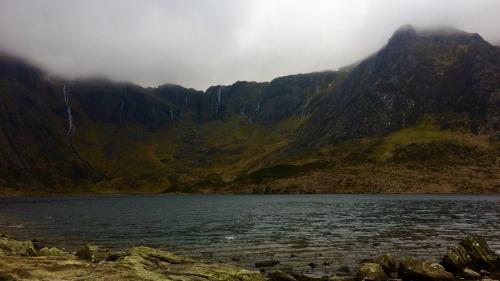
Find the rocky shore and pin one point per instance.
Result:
(472, 259)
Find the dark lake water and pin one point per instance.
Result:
(341, 229)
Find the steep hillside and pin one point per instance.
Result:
(420, 115)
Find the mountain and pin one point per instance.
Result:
(420, 115)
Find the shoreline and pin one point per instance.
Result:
(472, 259)
(55, 195)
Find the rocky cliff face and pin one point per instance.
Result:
(451, 74)
(424, 89)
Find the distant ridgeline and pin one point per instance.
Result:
(420, 115)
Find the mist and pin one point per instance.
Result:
(198, 43)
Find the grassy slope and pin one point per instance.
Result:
(136, 160)
(422, 158)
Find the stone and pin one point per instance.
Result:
(154, 264)
(151, 253)
(387, 262)
(456, 259)
(92, 253)
(277, 275)
(371, 271)
(54, 252)
(7, 277)
(261, 264)
(37, 244)
(482, 256)
(470, 274)
(139, 263)
(412, 269)
(12, 247)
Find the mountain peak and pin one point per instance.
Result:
(408, 34)
(403, 34)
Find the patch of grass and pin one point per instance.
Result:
(424, 132)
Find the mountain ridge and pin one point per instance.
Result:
(290, 134)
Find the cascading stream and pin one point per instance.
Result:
(71, 126)
(219, 93)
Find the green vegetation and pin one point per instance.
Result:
(424, 132)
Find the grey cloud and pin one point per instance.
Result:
(197, 43)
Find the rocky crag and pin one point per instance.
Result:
(420, 115)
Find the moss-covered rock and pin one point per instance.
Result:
(482, 256)
(92, 253)
(53, 252)
(12, 247)
(151, 253)
(411, 269)
(371, 271)
(470, 274)
(456, 259)
(387, 262)
(153, 264)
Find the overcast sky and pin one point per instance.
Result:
(198, 43)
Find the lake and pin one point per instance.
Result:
(242, 229)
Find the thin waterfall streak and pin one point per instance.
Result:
(71, 126)
(219, 93)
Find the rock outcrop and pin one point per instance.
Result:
(19, 262)
(12, 247)
(139, 263)
(370, 271)
(412, 269)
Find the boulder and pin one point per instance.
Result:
(156, 254)
(411, 269)
(482, 256)
(261, 264)
(92, 253)
(54, 252)
(277, 275)
(387, 262)
(456, 259)
(37, 244)
(470, 274)
(154, 264)
(12, 247)
(371, 271)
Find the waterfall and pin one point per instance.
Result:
(219, 94)
(305, 110)
(258, 107)
(242, 112)
(171, 114)
(71, 126)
